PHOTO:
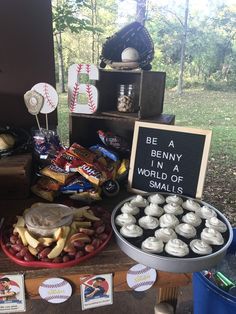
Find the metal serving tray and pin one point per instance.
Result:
(163, 261)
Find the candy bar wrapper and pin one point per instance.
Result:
(48, 184)
(57, 173)
(105, 152)
(115, 141)
(122, 170)
(47, 195)
(78, 184)
(63, 158)
(91, 174)
(88, 196)
(82, 153)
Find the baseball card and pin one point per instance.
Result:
(96, 291)
(12, 293)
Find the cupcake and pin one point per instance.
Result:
(128, 208)
(174, 199)
(212, 236)
(152, 245)
(125, 218)
(154, 210)
(191, 205)
(176, 247)
(139, 201)
(173, 208)
(131, 231)
(186, 230)
(200, 247)
(165, 234)
(156, 199)
(192, 219)
(216, 224)
(148, 222)
(168, 221)
(206, 212)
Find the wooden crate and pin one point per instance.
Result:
(15, 176)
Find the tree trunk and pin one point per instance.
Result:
(183, 47)
(93, 8)
(141, 11)
(60, 63)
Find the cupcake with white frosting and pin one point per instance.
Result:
(131, 231)
(128, 208)
(191, 205)
(154, 210)
(148, 222)
(176, 247)
(200, 247)
(216, 224)
(125, 218)
(212, 236)
(168, 221)
(192, 219)
(156, 199)
(186, 230)
(165, 234)
(206, 212)
(174, 199)
(152, 245)
(139, 201)
(173, 208)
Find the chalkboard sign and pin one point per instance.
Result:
(168, 158)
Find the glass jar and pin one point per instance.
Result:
(125, 101)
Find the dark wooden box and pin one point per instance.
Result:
(149, 87)
(15, 176)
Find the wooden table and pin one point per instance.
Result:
(110, 260)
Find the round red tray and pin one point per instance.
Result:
(39, 264)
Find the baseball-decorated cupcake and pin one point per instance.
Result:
(212, 236)
(153, 210)
(174, 199)
(128, 208)
(192, 219)
(139, 201)
(165, 234)
(125, 218)
(168, 221)
(177, 247)
(200, 247)
(186, 230)
(156, 199)
(216, 224)
(191, 205)
(148, 222)
(131, 231)
(173, 208)
(206, 212)
(152, 245)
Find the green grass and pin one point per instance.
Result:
(211, 110)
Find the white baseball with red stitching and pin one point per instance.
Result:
(50, 96)
(55, 290)
(141, 277)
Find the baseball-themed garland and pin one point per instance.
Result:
(75, 88)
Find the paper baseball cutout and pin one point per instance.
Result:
(75, 88)
(140, 277)
(55, 290)
(50, 96)
(33, 101)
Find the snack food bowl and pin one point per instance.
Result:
(39, 221)
(163, 261)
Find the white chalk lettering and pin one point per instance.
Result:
(151, 140)
(152, 174)
(176, 168)
(166, 155)
(171, 144)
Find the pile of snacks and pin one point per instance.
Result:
(86, 234)
(85, 173)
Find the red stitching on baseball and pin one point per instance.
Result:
(56, 285)
(57, 297)
(74, 97)
(139, 272)
(45, 88)
(91, 102)
(88, 68)
(146, 283)
(79, 68)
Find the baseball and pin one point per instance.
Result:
(141, 277)
(50, 96)
(55, 290)
(129, 55)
